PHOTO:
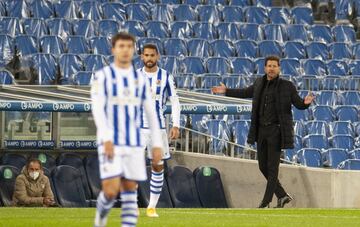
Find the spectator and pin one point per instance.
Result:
(32, 187)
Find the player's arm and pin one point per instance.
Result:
(154, 124)
(175, 107)
(99, 93)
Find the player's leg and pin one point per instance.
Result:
(129, 207)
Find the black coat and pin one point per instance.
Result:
(286, 94)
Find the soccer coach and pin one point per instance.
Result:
(271, 123)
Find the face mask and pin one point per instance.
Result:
(34, 175)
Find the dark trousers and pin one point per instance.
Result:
(269, 151)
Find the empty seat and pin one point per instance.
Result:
(90, 10)
(317, 50)
(351, 98)
(210, 188)
(337, 67)
(239, 2)
(185, 81)
(181, 29)
(170, 63)
(66, 180)
(41, 9)
(309, 82)
(228, 31)
(314, 67)
(19, 9)
(317, 128)
(243, 66)
(156, 41)
(176, 47)
(8, 176)
(344, 33)
(350, 164)
(10, 26)
(35, 27)
(208, 13)
(316, 141)
(44, 69)
(347, 113)
(67, 9)
(232, 14)
(343, 141)
(84, 27)
(77, 45)
(108, 27)
(59, 27)
(239, 130)
(340, 50)
(333, 157)
(199, 48)
(82, 78)
(246, 48)
(208, 80)
(218, 65)
(184, 12)
(6, 77)
(25, 45)
(100, 45)
(290, 66)
(321, 33)
(192, 65)
(114, 10)
(52, 45)
(69, 64)
(342, 128)
(222, 48)
(356, 50)
(16, 160)
(328, 98)
(309, 157)
(133, 27)
(204, 30)
(94, 62)
(297, 32)
(137, 11)
(182, 188)
(157, 29)
(255, 14)
(260, 66)
(268, 47)
(162, 12)
(294, 49)
(323, 113)
(275, 32)
(280, 15)
(251, 31)
(302, 15)
(91, 163)
(299, 128)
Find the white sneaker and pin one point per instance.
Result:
(100, 222)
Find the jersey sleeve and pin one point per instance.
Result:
(174, 100)
(99, 95)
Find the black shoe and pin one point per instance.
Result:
(264, 205)
(284, 200)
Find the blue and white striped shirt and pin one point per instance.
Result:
(118, 96)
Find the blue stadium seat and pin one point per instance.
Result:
(19, 9)
(275, 32)
(259, 66)
(356, 50)
(294, 49)
(309, 157)
(232, 14)
(280, 15)
(67, 9)
(91, 163)
(41, 9)
(114, 10)
(222, 48)
(347, 113)
(142, 41)
(8, 176)
(328, 98)
(351, 98)
(246, 48)
(357, 129)
(137, 11)
(239, 130)
(309, 82)
(193, 2)
(90, 10)
(321, 33)
(94, 62)
(228, 31)
(243, 66)
(100, 45)
(337, 67)
(208, 80)
(343, 141)
(66, 180)
(16, 160)
(138, 63)
(342, 128)
(25, 45)
(176, 47)
(314, 67)
(299, 128)
(255, 14)
(199, 48)
(6, 77)
(354, 67)
(181, 29)
(135, 28)
(218, 65)
(344, 33)
(334, 83)
(192, 65)
(340, 51)
(316, 141)
(268, 47)
(10, 26)
(251, 31)
(297, 32)
(317, 50)
(290, 66)
(170, 64)
(59, 27)
(317, 128)
(77, 45)
(210, 188)
(217, 2)
(290, 154)
(35, 27)
(157, 29)
(350, 164)
(334, 156)
(69, 64)
(323, 113)
(235, 81)
(44, 68)
(82, 78)
(208, 13)
(240, 2)
(162, 12)
(343, 9)
(182, 188)
(186, 81)
(84, 27)
(204, 30)
(217, 129)
(184, 12)
(302, 15)
(108, 27)
(147, 2)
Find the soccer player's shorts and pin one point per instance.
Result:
(128, 163)
(146, 137)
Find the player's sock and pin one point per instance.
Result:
(129, 208)
(103, 206)
(156, 184)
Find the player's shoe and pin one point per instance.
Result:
(100, 222)
(151, 213)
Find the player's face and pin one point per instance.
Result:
(272, 69)
(123, 51)
(150, 57)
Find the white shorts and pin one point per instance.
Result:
(146, 137)
(128, 163)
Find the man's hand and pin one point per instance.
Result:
(309, 99)
(48, 201)
(219, 89)
(156, 155)
(174, 133)
(109, 150)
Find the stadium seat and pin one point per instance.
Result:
(246, 48)
(275, 32)
(333, 157)
(217, 129)
(259, 66)
(309, 157)
(47, 160)
(302, 15)
(217, 2)
(294, 49)
(208, 13)
(170, 2)
(268, 47)
(243, 66)
(8, 176)
(157, 29)
(82, 78)
(35, 27)
(218, 65)
(16, 160)
(170, 64)
(204, 30)
(343, 141)
(84, 27)
(328, 98)
(94, 62)
(210, 188)
(350, 164)
(182, 188)
(342, 128)
(222, 48)
(239, 2)
(357, 129)
(193, 2)
(321, 33)
(279, 15)
(66, 180)
(69, 64)
(144, 193)
(19, 9)
(184, 12)
(108, 27)
(52, 45)
(255, 14)
(6, 77)
(137, 11)
(138, 63)
(334, 82)
(347, 113)
(337, 67)
(77, 45)
(76, 161)
(91, 163)
(10, 26)
(192, 65)
(344, 33)
(309, 82)
(316, 141)
(351, 98)
(44, 69)
(114, 10)
(340, 51)
(59, 27)
(67, 9)
(25, 45)
(228, 31)
(100, 45)
(133, 27)
(147, 2)
(297, 32)
(41, 9)
(290, 66)
(356, 50)
(162, 12)
(314, 67)
(232, 14)
(142, 41)
(186, 81)
(239, 131)
(317, 50)
(251, 31)
(181, 30)
(90, 10)
(317, 128)
(323, 113)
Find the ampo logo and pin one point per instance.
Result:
(87, 106)
(189, 108)
(5, 105)
(31, 106)
(217, 108)
(63, 106)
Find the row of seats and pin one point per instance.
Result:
(72, 173)
(327, 129)
(179, 29)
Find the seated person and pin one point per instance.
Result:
(32, 187)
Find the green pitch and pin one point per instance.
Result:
(53, 217)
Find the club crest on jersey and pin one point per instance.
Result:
(158, 82)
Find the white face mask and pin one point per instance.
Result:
(34, 175)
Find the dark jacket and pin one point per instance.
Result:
(286, 94)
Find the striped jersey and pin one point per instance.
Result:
(118, 97)
(162, 87)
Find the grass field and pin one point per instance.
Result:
(53, 217)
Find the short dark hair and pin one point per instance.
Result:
(150, 46)
(122, 36)
(33, 160)
(272, 58)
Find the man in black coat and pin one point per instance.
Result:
(271, 123)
